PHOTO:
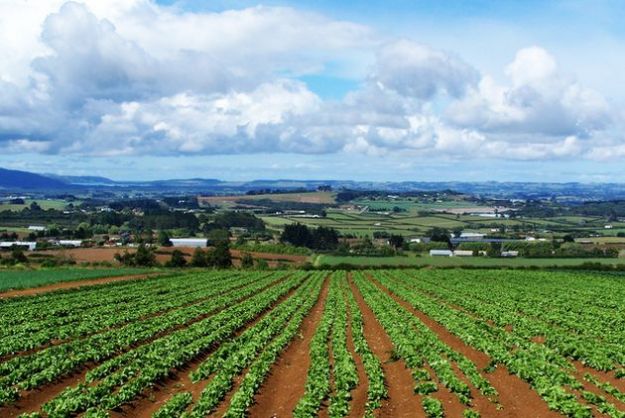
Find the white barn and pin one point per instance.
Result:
(70, 242)
(441, 253)
(189, 242)
(6, 245)
(463, 253)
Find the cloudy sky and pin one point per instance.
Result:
(378, 90)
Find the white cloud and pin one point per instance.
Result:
(539, 101)
(133, 78)
(416, 70)
(191, 123)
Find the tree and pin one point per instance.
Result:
(163, 239)
(396, 241)
(18, 256)
(126, 259)
(83, 231)
(145, 256)
(217, 236)
(177, 259)
(220, 256)
(568, 238)
(247, 261)
(296, 234)
(199, 258)
(324, 238)
(321, 238)
(440, 235)
(495, 249)
(261, 264)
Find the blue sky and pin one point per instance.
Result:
(377, 90)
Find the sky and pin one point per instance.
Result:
(510, 90)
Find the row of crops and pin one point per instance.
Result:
(22, 279)
(204, 344)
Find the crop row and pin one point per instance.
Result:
(376, 391)
(240, 353)
(423, 352)
(544, 368)
(74, 324)
(318, 387)
(30, 371)
(141, 368)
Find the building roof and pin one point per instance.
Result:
(8, 244)
(189, 242)
(440, 252)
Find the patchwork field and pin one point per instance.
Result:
(412, 223)
(386, 343)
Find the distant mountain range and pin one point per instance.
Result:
(14, 181)
(23, 180)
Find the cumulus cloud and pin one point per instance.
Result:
(131, 77)
(416, 70)
(538, 101)
(191, 123)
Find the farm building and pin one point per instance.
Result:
(472, 235)
(36, 228)
(441, 253)
(189, 242)
(7, 245)
(70, 243)
(509, 253)
(463, 253)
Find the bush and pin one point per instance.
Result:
(177, 259)
(247, 261)
(143, 257)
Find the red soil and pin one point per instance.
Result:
(72, 285)
(90, 255)
(452, 405)
(285, 384)
(179, 380)
(581, 370)
(31, 401)
(516, 396)
(402, 401)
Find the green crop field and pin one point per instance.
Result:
(43, 203)
(411, 260)
(427, 343)
(21, 279)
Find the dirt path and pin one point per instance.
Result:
(402, 401)
(72, 284)
(285, 384)
(516, 396)
(31, 401)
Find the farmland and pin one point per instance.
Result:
(411, 222)
(21, 279)
(425, 343)
(421, 261)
